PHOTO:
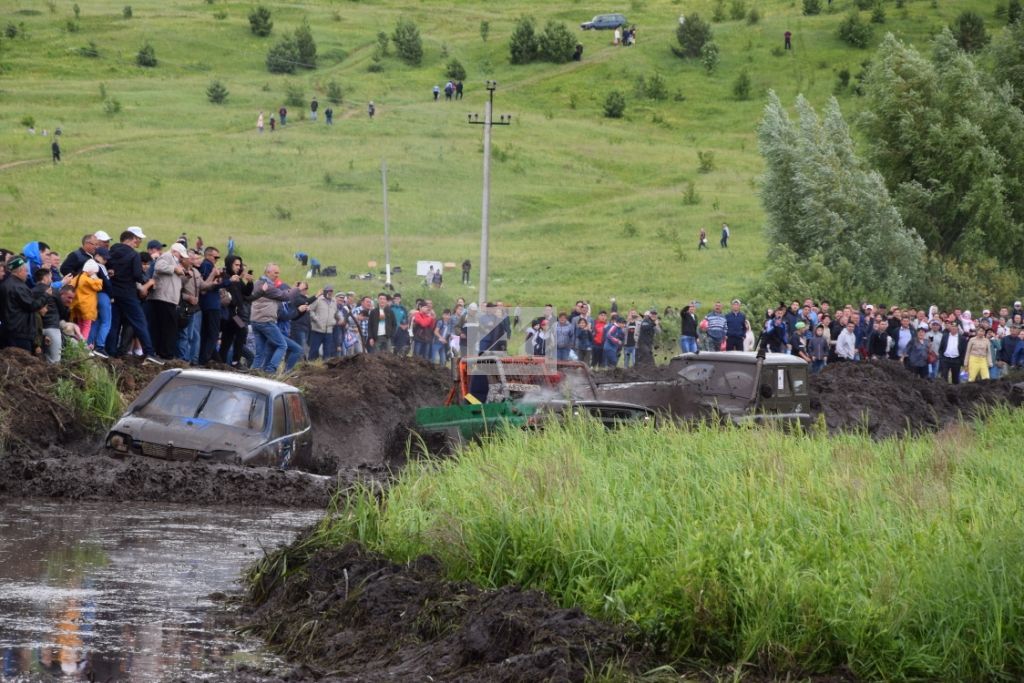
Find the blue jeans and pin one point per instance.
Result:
(629, 357)
(816, 366)
(562, 354)
(101, 326)
(188, 339)
(318, 341)
(271, 345)
(422, 349)
(688, 344)
(300, 337)
(128, 311)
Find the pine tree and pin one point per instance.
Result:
(305, 45)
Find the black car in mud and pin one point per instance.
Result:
(220, 417)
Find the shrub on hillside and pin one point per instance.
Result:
(718, 12)
(741, 86)
(334, 93)
(855, 31)
(522, 45)
(655, 87)
(692, 34)
(146, 56)
(407, 41)
(753, 16)
(216, 93)
(382, 43)
(90, 50)
(455, 71)
(305, 45)
(294, 96)
(556, 44)
(709, 56)
(11, 30)
(127, 12)
(283, 57)
(1014, 12)
(969, 30)
(615, 105)
(259, 21)
(485, 30)
(878, 14)
(812, 7)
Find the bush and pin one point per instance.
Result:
(259, 22)
(28, 121)
(407, 42)
(294, 96)
(709, 56)
(615, 105)
(71, 26)
(146, 56)
(855, 31)
(282, 57)
(969, 31)
(112, 106)
(842, 79)
(77, 10)
(306, 46)
(557, 44)
(655, 87)
(718, 12)
(1014, 12)
(753, 16)
(382, 43)
(737, 9)
(485, 30)
(11, 31)
(334, 93)
(90, 50)
(812, 7)
(690, 196)
(706, 162)
(741, 86)
(692, 34)
(878, 14)
(216, 93)
(522, 46)
(455, 70)
(127, 12)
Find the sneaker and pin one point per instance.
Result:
(96, 353)
(154, 360)
(137, 352)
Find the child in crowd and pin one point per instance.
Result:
(87, 286)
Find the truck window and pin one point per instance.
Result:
(782, 387)
(280, 423)
(798, 381)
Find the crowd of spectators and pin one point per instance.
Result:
(179, 302)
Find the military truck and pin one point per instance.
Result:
(739, 386)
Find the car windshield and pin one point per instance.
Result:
(723, 379)
(229, 406)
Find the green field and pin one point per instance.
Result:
(734, 546)
(582, 205)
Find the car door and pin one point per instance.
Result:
(282, 442)
(301, 430)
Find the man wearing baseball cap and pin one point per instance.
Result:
(126, 281)
(18, 306)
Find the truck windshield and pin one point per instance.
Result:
(233, 407)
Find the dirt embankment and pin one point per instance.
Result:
(361, 408)
(351, 615)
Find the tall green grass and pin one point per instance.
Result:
(807, 552)
(90, 390)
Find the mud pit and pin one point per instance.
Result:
(375, 620)
(361, 409)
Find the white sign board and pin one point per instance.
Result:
(423, 267)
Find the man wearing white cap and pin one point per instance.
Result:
(168, 275)
(126, 279)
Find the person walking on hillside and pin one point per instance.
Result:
(702, 242)
(259, 122)
(724, 242)
(458, 90)
(283, 113)
(329, 116)
(55, 150)
(273, 124)
(437, 92)
(466, 267)
(313, 106)
(789, 40)
(370, 109)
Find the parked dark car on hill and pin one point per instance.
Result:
(222, 417)
(604, 22)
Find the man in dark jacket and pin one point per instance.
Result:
(19, 305)
(649, 327)
(75, 260)
(209, 305)
(381, 325)
(127, 279)
(688, 338)
(735, 327)
(952, 350)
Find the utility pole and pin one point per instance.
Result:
(485, 218)
(387, 241)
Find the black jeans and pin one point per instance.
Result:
(950, 365)
(232, 341)
(734, 343)
(165, 328)
(209, 332)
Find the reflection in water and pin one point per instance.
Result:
(115, 591)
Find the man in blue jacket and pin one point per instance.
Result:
(126, 281)
(735, 327)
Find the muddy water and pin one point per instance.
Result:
(115, 591)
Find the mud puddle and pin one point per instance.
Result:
(129, 592)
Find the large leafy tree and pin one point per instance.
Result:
(826, 206)
(1008, 58)
(950, 145)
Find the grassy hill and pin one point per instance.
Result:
(582, 205)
